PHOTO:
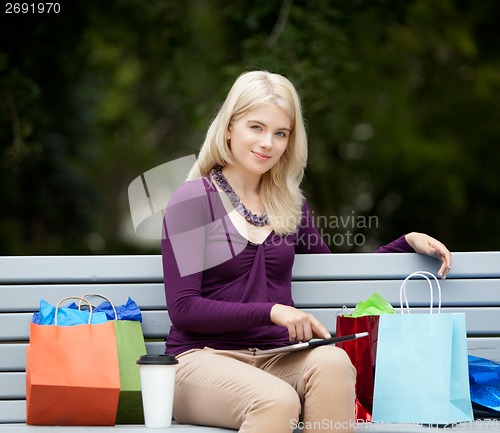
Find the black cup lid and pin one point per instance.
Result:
(157, 360)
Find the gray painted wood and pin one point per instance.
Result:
(13, 356)
(21, 428)
(15, 326)
(148, 295)
(456, 292)
(13, 383)
(480, 425)
(322, 284)
(80, 269)
(488, 348)
(12, 411)
(147, 268)
(479, 321)
(390, 266)
(460, 292)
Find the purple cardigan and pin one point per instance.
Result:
(220, 287)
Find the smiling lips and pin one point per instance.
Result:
(261, 156)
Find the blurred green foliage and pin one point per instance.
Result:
(401, 100)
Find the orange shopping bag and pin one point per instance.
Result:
(72, 374)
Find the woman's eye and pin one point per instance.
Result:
(257, 127)
(281, 134)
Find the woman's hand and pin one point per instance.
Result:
(424, 244)
(301, 326)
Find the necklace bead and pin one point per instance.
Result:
(254, 219)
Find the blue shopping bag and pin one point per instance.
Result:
(421, 375)
(484, 379)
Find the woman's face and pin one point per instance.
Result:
(259, 138)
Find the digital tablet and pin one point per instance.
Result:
(310, 344)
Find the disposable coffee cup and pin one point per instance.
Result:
(157, 374)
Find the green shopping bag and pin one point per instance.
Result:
(131, 346)
(422, 367)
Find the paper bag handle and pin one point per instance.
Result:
(73, 297)
(423, 274)
(99, 296)
(343, 311)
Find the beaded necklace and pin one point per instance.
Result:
(254, 219)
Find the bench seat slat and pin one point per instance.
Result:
(481, 425)
(485, 347)
(13, 413)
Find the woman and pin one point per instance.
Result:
(230, 236)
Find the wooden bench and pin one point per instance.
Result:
(322, 284)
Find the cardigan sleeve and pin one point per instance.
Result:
(309, 240)
(400, 245)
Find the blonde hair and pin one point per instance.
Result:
(280, 186)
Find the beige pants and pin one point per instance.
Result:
(266, 393)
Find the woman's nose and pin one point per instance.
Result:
(267, 141)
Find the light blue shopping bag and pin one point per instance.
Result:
(421, 373)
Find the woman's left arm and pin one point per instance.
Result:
(425, 244)
(422, 244)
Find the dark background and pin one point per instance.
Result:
(401, 100)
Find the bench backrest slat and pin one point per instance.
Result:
(147, 268)
(460, 292)
(80, 269)
(392, 266)
(27, 296)
(15, 326)
(151, 296)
